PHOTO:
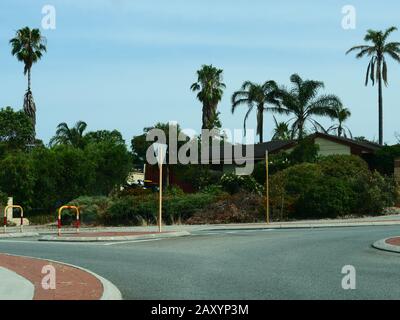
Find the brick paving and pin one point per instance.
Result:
(71, 283)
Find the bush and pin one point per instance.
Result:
(3, 199)
(144, 209)
(92, 209)
(277, 162)
(343, 166)
(199, 176)
(334, 186)
(233, 183)
(131, 211)
(133, 191)
(17, 178)
(305, 151)
(383, 160)
(238, 208)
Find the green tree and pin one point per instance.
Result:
(281, 131)
(76, 173)
(303, 102)
(48, 180)
(16, 129)
(210, 90)
(140, 146)
(70, 136)
(105, 136)
(341, 114)
(377, 68)
(257, 95)
(17, 178)
(305, 151)
(112, 163)
(28, 46)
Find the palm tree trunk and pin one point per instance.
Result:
(29, 79)
(380, 106)
(301, 130)
(260, 124)
(205, 117)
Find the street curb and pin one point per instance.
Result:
(110, 291)
(18, 235)
(383, 245)
(116, 238)
(304, 226)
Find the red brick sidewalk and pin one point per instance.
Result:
(71, 283)
(109, 234)
(393, 241)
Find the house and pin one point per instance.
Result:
(328, 145)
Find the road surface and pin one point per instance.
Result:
(240, 264)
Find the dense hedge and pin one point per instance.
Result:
(46, 178)
(334, 186)
(140, 210)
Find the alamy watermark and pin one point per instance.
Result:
(209, 149)
(49, 17)
(49, 280)
(349, 280)
(349, 20)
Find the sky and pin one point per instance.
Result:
(127, 64)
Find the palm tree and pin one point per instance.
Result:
(341, 114)
(257, 95)
(210, 90)
(303, 102)
(28, 46)
(377, 68)
(281, 131)
(70, 136)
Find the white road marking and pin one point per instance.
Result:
(132, 241)
(49, 242)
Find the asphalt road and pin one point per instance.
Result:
(253, 264)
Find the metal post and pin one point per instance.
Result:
(160, 199)
(22, 220)
(267, 185)
(5, 220)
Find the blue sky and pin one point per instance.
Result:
(120, 64)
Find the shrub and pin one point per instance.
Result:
(140, 210)
(245, 207)
(92, 209)
(383, 160)
(131, 211)
(199, 176)
(233, 183)
(277, 162)
(343, 166)
(305, 151)
(133, 192)
(16, 178)
(334, 186)
(3, 199)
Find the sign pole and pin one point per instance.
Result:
(160, 199)
(267, 185)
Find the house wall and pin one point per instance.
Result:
(327, 147)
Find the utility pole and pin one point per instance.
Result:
(267, 186)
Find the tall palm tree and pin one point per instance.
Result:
(341, 114)
(70, 136)
(281, 131)
(303, 103)
(210, 90)
(257, 95)
(377, 68)
(28, 46)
